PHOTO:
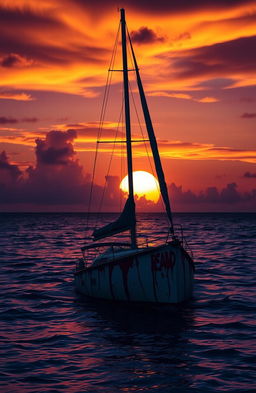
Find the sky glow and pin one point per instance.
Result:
(197, 62)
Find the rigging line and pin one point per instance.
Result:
(110, 161)
(102, 123)
(153, 142)
(112, 63)
(96, 153)
(137, 115)
(121, 158)
(97, 148)
(141, 130)
(146, 149)
(102, 114)
(107, 89)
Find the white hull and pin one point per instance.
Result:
(161, 274)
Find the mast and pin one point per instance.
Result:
(153, 143)
(128, 126)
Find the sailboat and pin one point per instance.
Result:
(125, 271)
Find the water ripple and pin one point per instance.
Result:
(53, 340)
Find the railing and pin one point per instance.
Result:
(183, 240)
(144, 241)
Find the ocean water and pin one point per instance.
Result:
(53, 340)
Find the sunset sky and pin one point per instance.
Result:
(197, 61)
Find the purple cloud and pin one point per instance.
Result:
(15, 60)
(248, 115)
(163, 6)
(145, 36)
(11, 120)
(13, 45)
(7, 120)
(58, 179)
(249, 175)
(56, 149)
(10, 173)
(218, 60)
(229, 195)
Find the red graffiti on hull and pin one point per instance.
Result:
(164, 259)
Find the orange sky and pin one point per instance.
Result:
(197, 62)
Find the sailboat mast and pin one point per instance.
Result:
(128, 125)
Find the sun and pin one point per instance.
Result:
(145, 185)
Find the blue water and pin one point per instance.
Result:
(53, 340)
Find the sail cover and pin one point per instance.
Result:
(124, 222)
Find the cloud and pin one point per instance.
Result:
(86, 137)
(207, 99)
(58, 179)
(249, 175)
(57, 44)
(32, 36)
(216, 83)
(203, 151)
(16, 96)
(144, 35)
(56, 149)
(233, 59)
(7, 120)
(64, 45)
(10, 173)
(182, 36)
(229, 195)
(15, 60)
(10, 120)
(162, 6)
(248, 115)
(183, 96)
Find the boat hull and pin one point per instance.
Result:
(157, 275)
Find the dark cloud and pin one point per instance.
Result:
(247, 115)
(163, 6)
(90, 131)
(56, 149)
(15, 60)
(183, 36)
(23, 18)
(7, 120)
(229, 195)
(145, 36)
(249, 175)
(44, 54)
(219, 60)
(216, 83)
(9, 173)
(11, 120)
(23, 49)
(58, 179)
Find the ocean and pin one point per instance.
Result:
(53, 340)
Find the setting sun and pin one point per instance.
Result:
(145, 184)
